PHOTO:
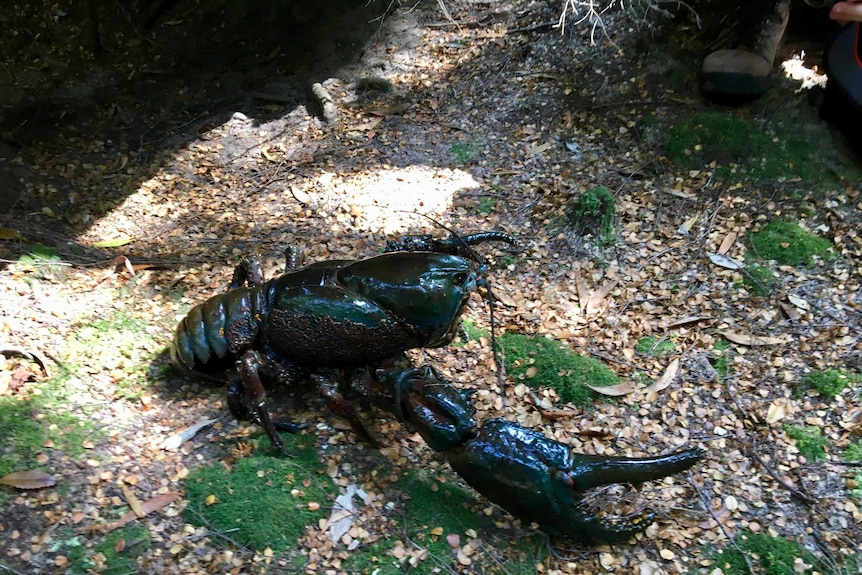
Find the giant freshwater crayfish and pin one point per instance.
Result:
(335, 316)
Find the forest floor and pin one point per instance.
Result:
(137, 177)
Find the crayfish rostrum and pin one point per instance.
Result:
(331, 318)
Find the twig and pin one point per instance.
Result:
(539, 26)
(219, 534)
(9, 569)
(705, 502)
(784, 483)
(31, 355)
(610, 359)
(447, 15)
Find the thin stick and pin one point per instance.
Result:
(705, 502)
(784, 483)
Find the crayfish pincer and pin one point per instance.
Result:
(339, 314)
(535, 478)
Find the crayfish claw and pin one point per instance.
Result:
(249, 272)
(538, 479)
(590, 471)
(533, 477)
(606, 530)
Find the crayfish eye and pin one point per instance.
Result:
(460, 278)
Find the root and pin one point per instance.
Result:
(591, 11)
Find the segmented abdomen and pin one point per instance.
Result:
(222, 326)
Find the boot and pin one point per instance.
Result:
(739, 73)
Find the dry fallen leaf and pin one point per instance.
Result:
(685, 321)
(30, 479)
(10, 234)
(679, 193)
(724, 261)
(392, 110)
(115, 243)
(369, 125)
(123, 261)
(552, 412)
(180, 437)
(751, 339)
(583, 292)
(664, 381)
(617, 390)
(150, 505)
(539, 148)
(727, 243)
(853, 419)
(598, 296)
(343, 514)
(132, 500)
(685, 228)
(798, 302)
(777, 411)
(300, 195)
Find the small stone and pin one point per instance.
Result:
(731, 503)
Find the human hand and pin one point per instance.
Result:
(844, 12)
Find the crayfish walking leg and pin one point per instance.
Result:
(249, 403)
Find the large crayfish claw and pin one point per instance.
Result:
(538, 479)
(535, 478)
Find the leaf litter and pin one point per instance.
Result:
(210, 202)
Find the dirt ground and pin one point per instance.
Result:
(151, 163)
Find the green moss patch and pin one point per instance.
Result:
(429, 510)
(773, 555)
(828, 383)
(651, 345)
(115, 553)
(788, 244)
(758, 279)
(269, 501)
(765, 148)
(854, 451)
(42, 263)
(810, 441)
(265, 500)
(593, 212)
(41, 413)
(538, 361)
(118, 344)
